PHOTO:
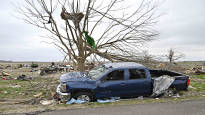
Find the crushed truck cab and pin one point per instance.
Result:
(122, 79)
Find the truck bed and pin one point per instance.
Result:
(180, 82)
(158, 73)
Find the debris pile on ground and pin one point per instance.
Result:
(105, 101)
(15, 86)
(34, 65)
(1, 67)
(2, 73)
(47, 102)
(24, 77)
(196, 70)
(49, 69)
(112, 99)
(38, 95)
(33, 70)
(5, 76)
(72, 101)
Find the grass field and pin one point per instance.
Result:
(20, 95)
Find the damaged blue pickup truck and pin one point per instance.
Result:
(122, 79)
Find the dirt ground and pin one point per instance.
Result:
(24, 96)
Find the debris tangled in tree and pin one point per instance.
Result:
(89, 39)
(75, 17)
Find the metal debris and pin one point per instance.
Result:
(47, 102)
(161, 84)
(24, 77)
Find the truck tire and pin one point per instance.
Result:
(84, 96)
(169, 92)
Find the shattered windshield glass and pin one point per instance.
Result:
(97, 71)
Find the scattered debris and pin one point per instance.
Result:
(3, 78)
(19, 65)
(47, 102)
(50, 69)
(161, 65)
(33, 65)
(18, 101)
(78, 101)
(27, 66)
(176, 96)
(191, 87)
(105, 101)
(24, 77)
(89, 40)
(8, 66)
(54, 95)
(47, 70)
(197, 71)
(75, 17)
(30, 101)
(1, 67)
(15, 86)
(7, 78)
(113, 99)
(33, 70)
(65, 68)
(140, 98)
(5, 92)
(5, 74)
(72, 101)
(38, 95)
(33, 101)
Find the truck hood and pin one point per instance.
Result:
(74, 76)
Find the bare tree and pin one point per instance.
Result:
(147, 57)
(173, 55)
(117, 29)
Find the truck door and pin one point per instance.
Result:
(138, 83)
(112, 85)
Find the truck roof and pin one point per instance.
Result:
(123, 65)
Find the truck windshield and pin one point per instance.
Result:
(97, 71)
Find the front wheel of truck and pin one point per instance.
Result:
(84, 96)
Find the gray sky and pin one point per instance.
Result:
(182, 28)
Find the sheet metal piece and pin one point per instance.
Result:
(161, 84)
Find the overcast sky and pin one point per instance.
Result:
(182, 28)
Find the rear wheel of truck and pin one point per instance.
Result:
(169, 92)
(84, 96)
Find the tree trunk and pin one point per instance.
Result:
(170, 60)
(81, 58)
(81, 65)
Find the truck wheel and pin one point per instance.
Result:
(169, 92)
(84, 96)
